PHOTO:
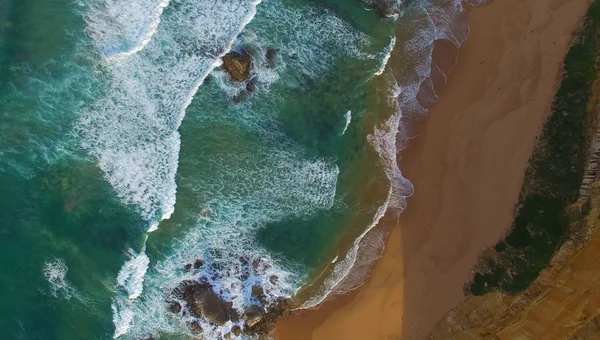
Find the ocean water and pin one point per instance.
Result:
(127, 153)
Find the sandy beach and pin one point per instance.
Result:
(467, 168)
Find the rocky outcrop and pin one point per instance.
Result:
(174, 307)
(253, 315)
(236, 330)
(202, 301)
(237, 65)
(591, 172)
(195, 327)
(563, 301)
(199, 300)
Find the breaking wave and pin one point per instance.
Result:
(268, 179)
(132, 130)
(131, 275)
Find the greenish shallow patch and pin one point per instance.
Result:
(55, 203)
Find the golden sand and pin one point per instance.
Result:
(467, 168)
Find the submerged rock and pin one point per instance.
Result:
(237, 65)
(195, 327)
(175, 307)
(271, 54)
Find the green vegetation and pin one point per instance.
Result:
(554, 174)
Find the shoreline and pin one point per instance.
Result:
(476, 141)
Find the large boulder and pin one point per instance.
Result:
(174, 307)
(203, 301)
(237, 65)
(236, 330)
(258, 293)
(195, 327)
(253, 315)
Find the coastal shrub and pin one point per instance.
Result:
(553, 176)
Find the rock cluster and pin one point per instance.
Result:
(198, 299)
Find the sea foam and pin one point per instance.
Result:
(267, 179)
(132, 130)
(55, 272)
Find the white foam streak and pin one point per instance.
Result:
(121, 29)
(122, 317)
(133, 131)
(388, 54)
(131, 275)
(348, 117)
(147, 37)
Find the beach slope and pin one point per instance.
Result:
(467, 168)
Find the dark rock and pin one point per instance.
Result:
(237, 65)
(227, 336)
(188, 267)
(236, 330)
(195, 327)
(271, 54)
(203, 301)
(273, 279)
(197, 264)
(175, 307)
(251, 85)
(245, 275)
(258, 293)
(253, 315)
(217, 267)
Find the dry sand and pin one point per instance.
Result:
(467, 168)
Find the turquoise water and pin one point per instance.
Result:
(127, 153)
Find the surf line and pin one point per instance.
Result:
(388, 54)
(383, 141)
(217, 63)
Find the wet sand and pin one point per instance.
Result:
(467, 168)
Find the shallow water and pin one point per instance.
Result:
(128, 153)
